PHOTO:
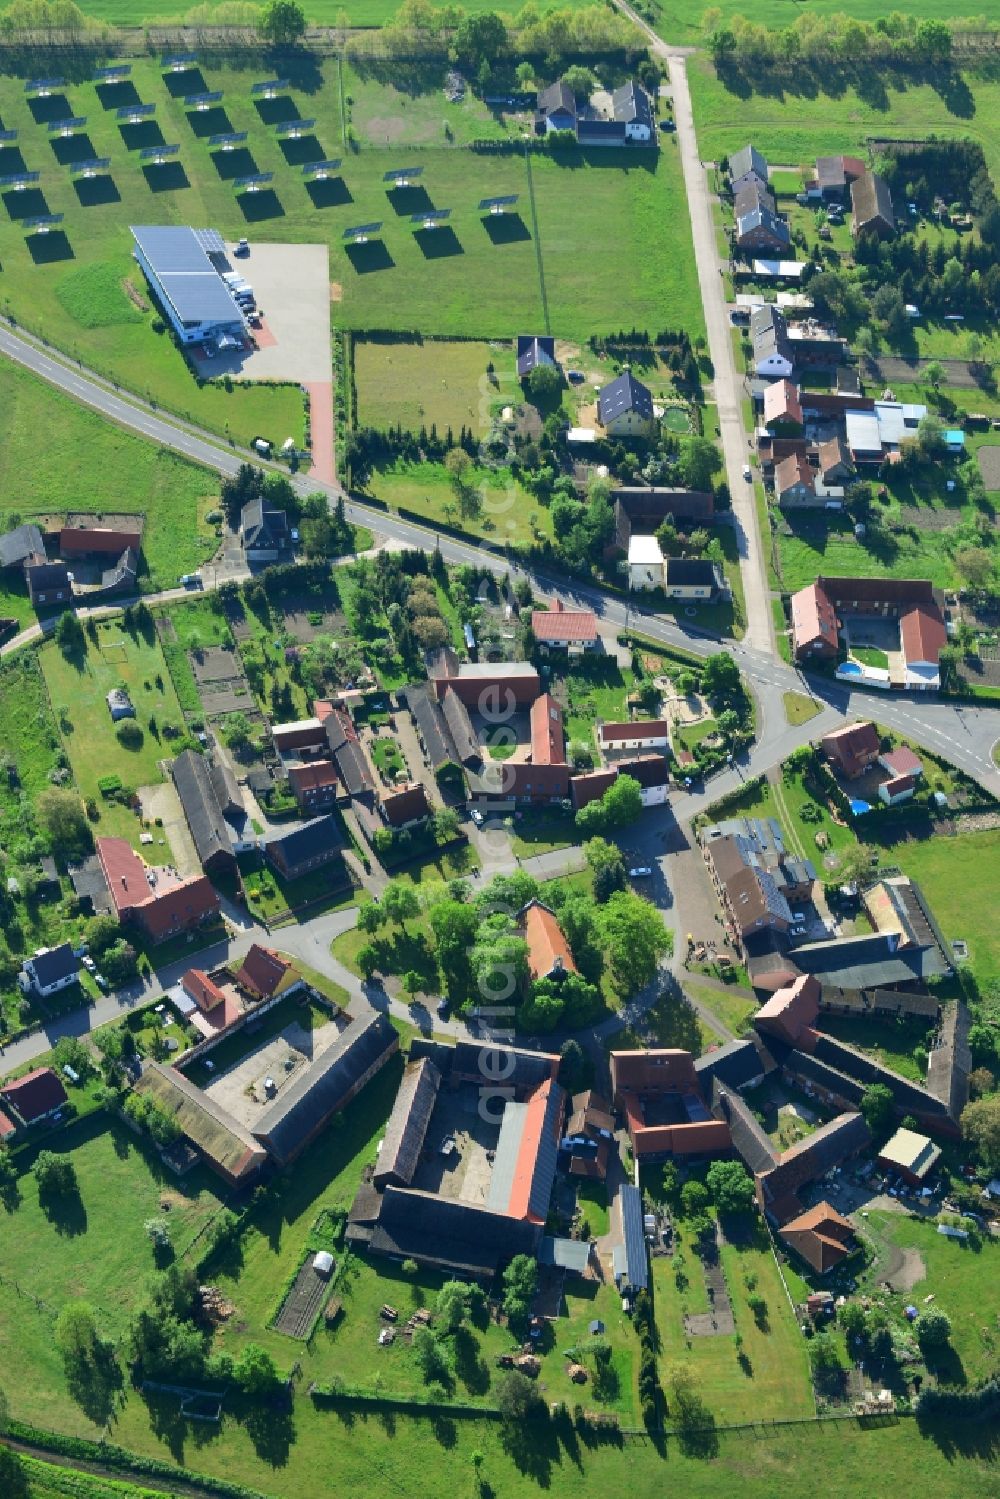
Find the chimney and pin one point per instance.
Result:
(558, 606)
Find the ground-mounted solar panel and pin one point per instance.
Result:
(43, 86)
(403, 175)
(67, 126)
(135, 111)
(176, 62)
(91, 167)
(360, 232)
(429, 218)
(111, 75)
(269, 87)
(497, 205)
(158, 153)
(40, 223)
(19, 180)
(253, 182)
(228, 140)
(321, 168)
(293, 128)
(202, 101)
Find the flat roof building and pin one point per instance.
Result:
(178, 264)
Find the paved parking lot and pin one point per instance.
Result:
(292, 286)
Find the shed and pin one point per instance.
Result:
(323, 1262)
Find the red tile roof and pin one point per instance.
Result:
(124, 871)
(405, 804)
(781, 403)
(896, 785)
(814, 619)
(262, 970)
(7, 1125)
(205, 993)
(559, 624)
(791, 471)
(592, 784)
(653, 728)
(36, 1094)
(172, 905)
(853, 747)
(902, 762)
(821, 1236)
(548, 744)
(316, 775)
(176, 910)
(519, 1203)
(547, 946)
(77, 541)
(923, 634)
(788, 1011)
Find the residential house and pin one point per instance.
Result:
(625, 407)
(835, 466)
(782, 409)
(21, 545)
(643, 735)
(491, 686)
(640, 511)
(49, 970)
(913, 601)
(631, 108)
(304, 733)
(263, 532)
(156, 899)
(821, 1236)
(650, 771)
(589, 1137)
(871, 206)
(901, 761)
(814, 624)
(556, 109)
(911, 1156)
(205, 992)
(226, 1146)
(747, 166)
(534, 351)
(307, 1103)
(772, 350)
(559, 628)
(834, 176)
(923, 636)
(644, 563)
(48, 582)
(752, 196)
(265, 974)
(549, 953)
(348, 754)
(406, 806)
(214, 810)
(785, 1014)
(693, 578)
(794, 483)
(314, 785)
(36, 1096)
(853, 749)
(760, 229)
(310, 846)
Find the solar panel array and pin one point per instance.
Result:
(321, 168)
(269, 87)
(202, 101)
(42, 221)
(135, 111)
(226, 141)
(67, 126)
(91, 166)
(155, 153)
(112, 75)
(43, 85)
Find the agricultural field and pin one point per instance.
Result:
(78, 687)
(431, 382)
(85, 463)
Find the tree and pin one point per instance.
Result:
(432, 1361)
(452, 1305)
(699, 460)
(480, 38)
(933, 1329)
(544, 384)
(120, 964)
(237, 731)
(256, 1372)
(54, 1174)
(976, 566)
(930, 437)
(720, 676)
(981, 1125)
(400, 901)
(13, 1477)
(520, 1283)
(576, 1070)
(851, 1317)
(76, 1333)
(282, 22)
(877, 1107)
(634, 939)
(64, 819)
(69, 1051)
(371, 916)
(855, 864)
(934, 374)
(69, 635)
(368, 959)
(608, 864)
(517, 1398)
(824, 1360)
(694, 1198)
(620, 805)
(580, 80)
(731, 1187)
(933, 40)
(412, 983)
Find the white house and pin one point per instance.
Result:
(49, 970)
(645, 562)
(644, 734)
(630, 105)
(897, 789)
(692, 578)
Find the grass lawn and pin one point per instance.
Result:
(321, 890)
(94, 1247)
(86, 463)
(957, 1276)
(542, 832)
(791, 796)
(593, 1199)
(387, 757)
(431, 382)
(733, 1007)
(677, 22)
(775, 1375)
(592, 689)
(890, 1041)
(799, 708)
(506, 511)
(868, 655)
(827, 545)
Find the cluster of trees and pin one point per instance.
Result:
(617, 808)
(369, 448)
(820, 38)
(158, 1124)
(482, 44)
(650, 1394)
(324, 533)
(396, 587)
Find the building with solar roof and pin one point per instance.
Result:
(184, 270)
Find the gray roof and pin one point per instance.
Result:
(179, 259)
(508, 1148)
(691, 572)
(263, 526)
(349, 757)
(557, 96)
(429, 719)
(407, 1127)
(735, 1064)
(951, 1060)
(862, 1070)
(812, 1157)
(457, 718)
(750, 1139)
(751, 195)
(761, 217)
(449, 1232)
(194, 782)
(17, 546)
(319, 836)
(624, 394)
(871, 200)
(564, 1254)
(321, 1089)
(55, 964)
(534, 349)
(227, 790)
(124, 572)
(868, 962)
(747, 160)
(636, 1261)
(42, 575)
(89, 883)
(630, 104)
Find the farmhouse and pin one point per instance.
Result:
(821, 1236)
(751, 197)
(853, 749)
(644, 735)
(34, 1097)
(98, 541)
(228, 1149)
(406, 806)
(48, 582)
(693, 578)
(463, 736)
(432, 730)
(871, 206)
(49, 970)
(213, 808)
(21, 544)
(782, 409)
(640, 511)
(660, 1094)
(489, 686)
(818, 609)
(747, 166)
(625, 407)
(555, 109)
(264, 974)
(327, 1085)
(314, 785)
(761, 229)
(589, 1137)
(157, 900)
(310, 846)
(560, 628)
(263, 532)
(184, 270)
(835, 174)
(348, 755)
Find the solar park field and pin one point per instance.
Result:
(604, 233)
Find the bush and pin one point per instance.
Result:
(129, 734)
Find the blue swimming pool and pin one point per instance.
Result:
(859, 808)
(850, 669)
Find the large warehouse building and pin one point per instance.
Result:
(184, 269)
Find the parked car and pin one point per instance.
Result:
(89, 964)
(640, 872)
(242, 247)
(747, 473)
(477, 817)
(575, 377)
(443, 1009)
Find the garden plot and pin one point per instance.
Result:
(222, 686)
(305, 622)
(301, 1306)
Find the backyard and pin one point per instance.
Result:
(430, 382)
